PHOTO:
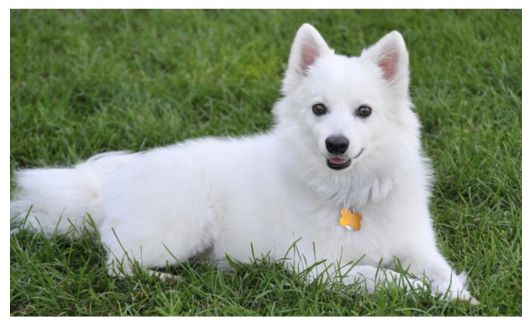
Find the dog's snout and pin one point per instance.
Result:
(337, 144)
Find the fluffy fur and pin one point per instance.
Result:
(257, 195)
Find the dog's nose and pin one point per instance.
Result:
(337, 144)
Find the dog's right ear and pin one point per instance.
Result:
(308, 46)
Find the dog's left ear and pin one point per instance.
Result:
(391, 55)
(308, 46)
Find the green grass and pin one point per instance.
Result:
(84, 82)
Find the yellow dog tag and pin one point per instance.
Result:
(350, 220)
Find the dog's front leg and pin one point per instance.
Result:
(428, 263)
(372, 278)
(367, 277)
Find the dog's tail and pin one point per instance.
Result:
(55, 199)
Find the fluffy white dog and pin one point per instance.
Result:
(341, 173)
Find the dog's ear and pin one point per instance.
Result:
(390, 54)
(308, 46)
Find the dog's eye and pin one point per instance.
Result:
(363, 111)
(319, 109)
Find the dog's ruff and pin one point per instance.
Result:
(257, 195)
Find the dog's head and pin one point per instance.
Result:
(347, 116)
(346, 107)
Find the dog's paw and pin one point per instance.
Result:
(466, 296)
(456, 289)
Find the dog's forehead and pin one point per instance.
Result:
(340, 78)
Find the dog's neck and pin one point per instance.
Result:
(363, 183)
(355, 189)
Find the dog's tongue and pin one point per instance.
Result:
(338, 161)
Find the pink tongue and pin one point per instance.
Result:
(338, 161)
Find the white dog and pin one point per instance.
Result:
(341, 173)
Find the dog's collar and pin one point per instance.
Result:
(350, 219)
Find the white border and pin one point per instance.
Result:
(167, 4)
(271, 4)
(525, 134)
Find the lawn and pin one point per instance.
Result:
(85, 82)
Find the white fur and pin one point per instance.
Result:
(257, 195)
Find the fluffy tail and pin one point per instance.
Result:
(54, 199)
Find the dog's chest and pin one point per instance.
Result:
(322, 227)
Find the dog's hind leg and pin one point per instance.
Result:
(158, 212)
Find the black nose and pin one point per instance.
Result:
(337, 144)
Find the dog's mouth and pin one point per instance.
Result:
(339, 162)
